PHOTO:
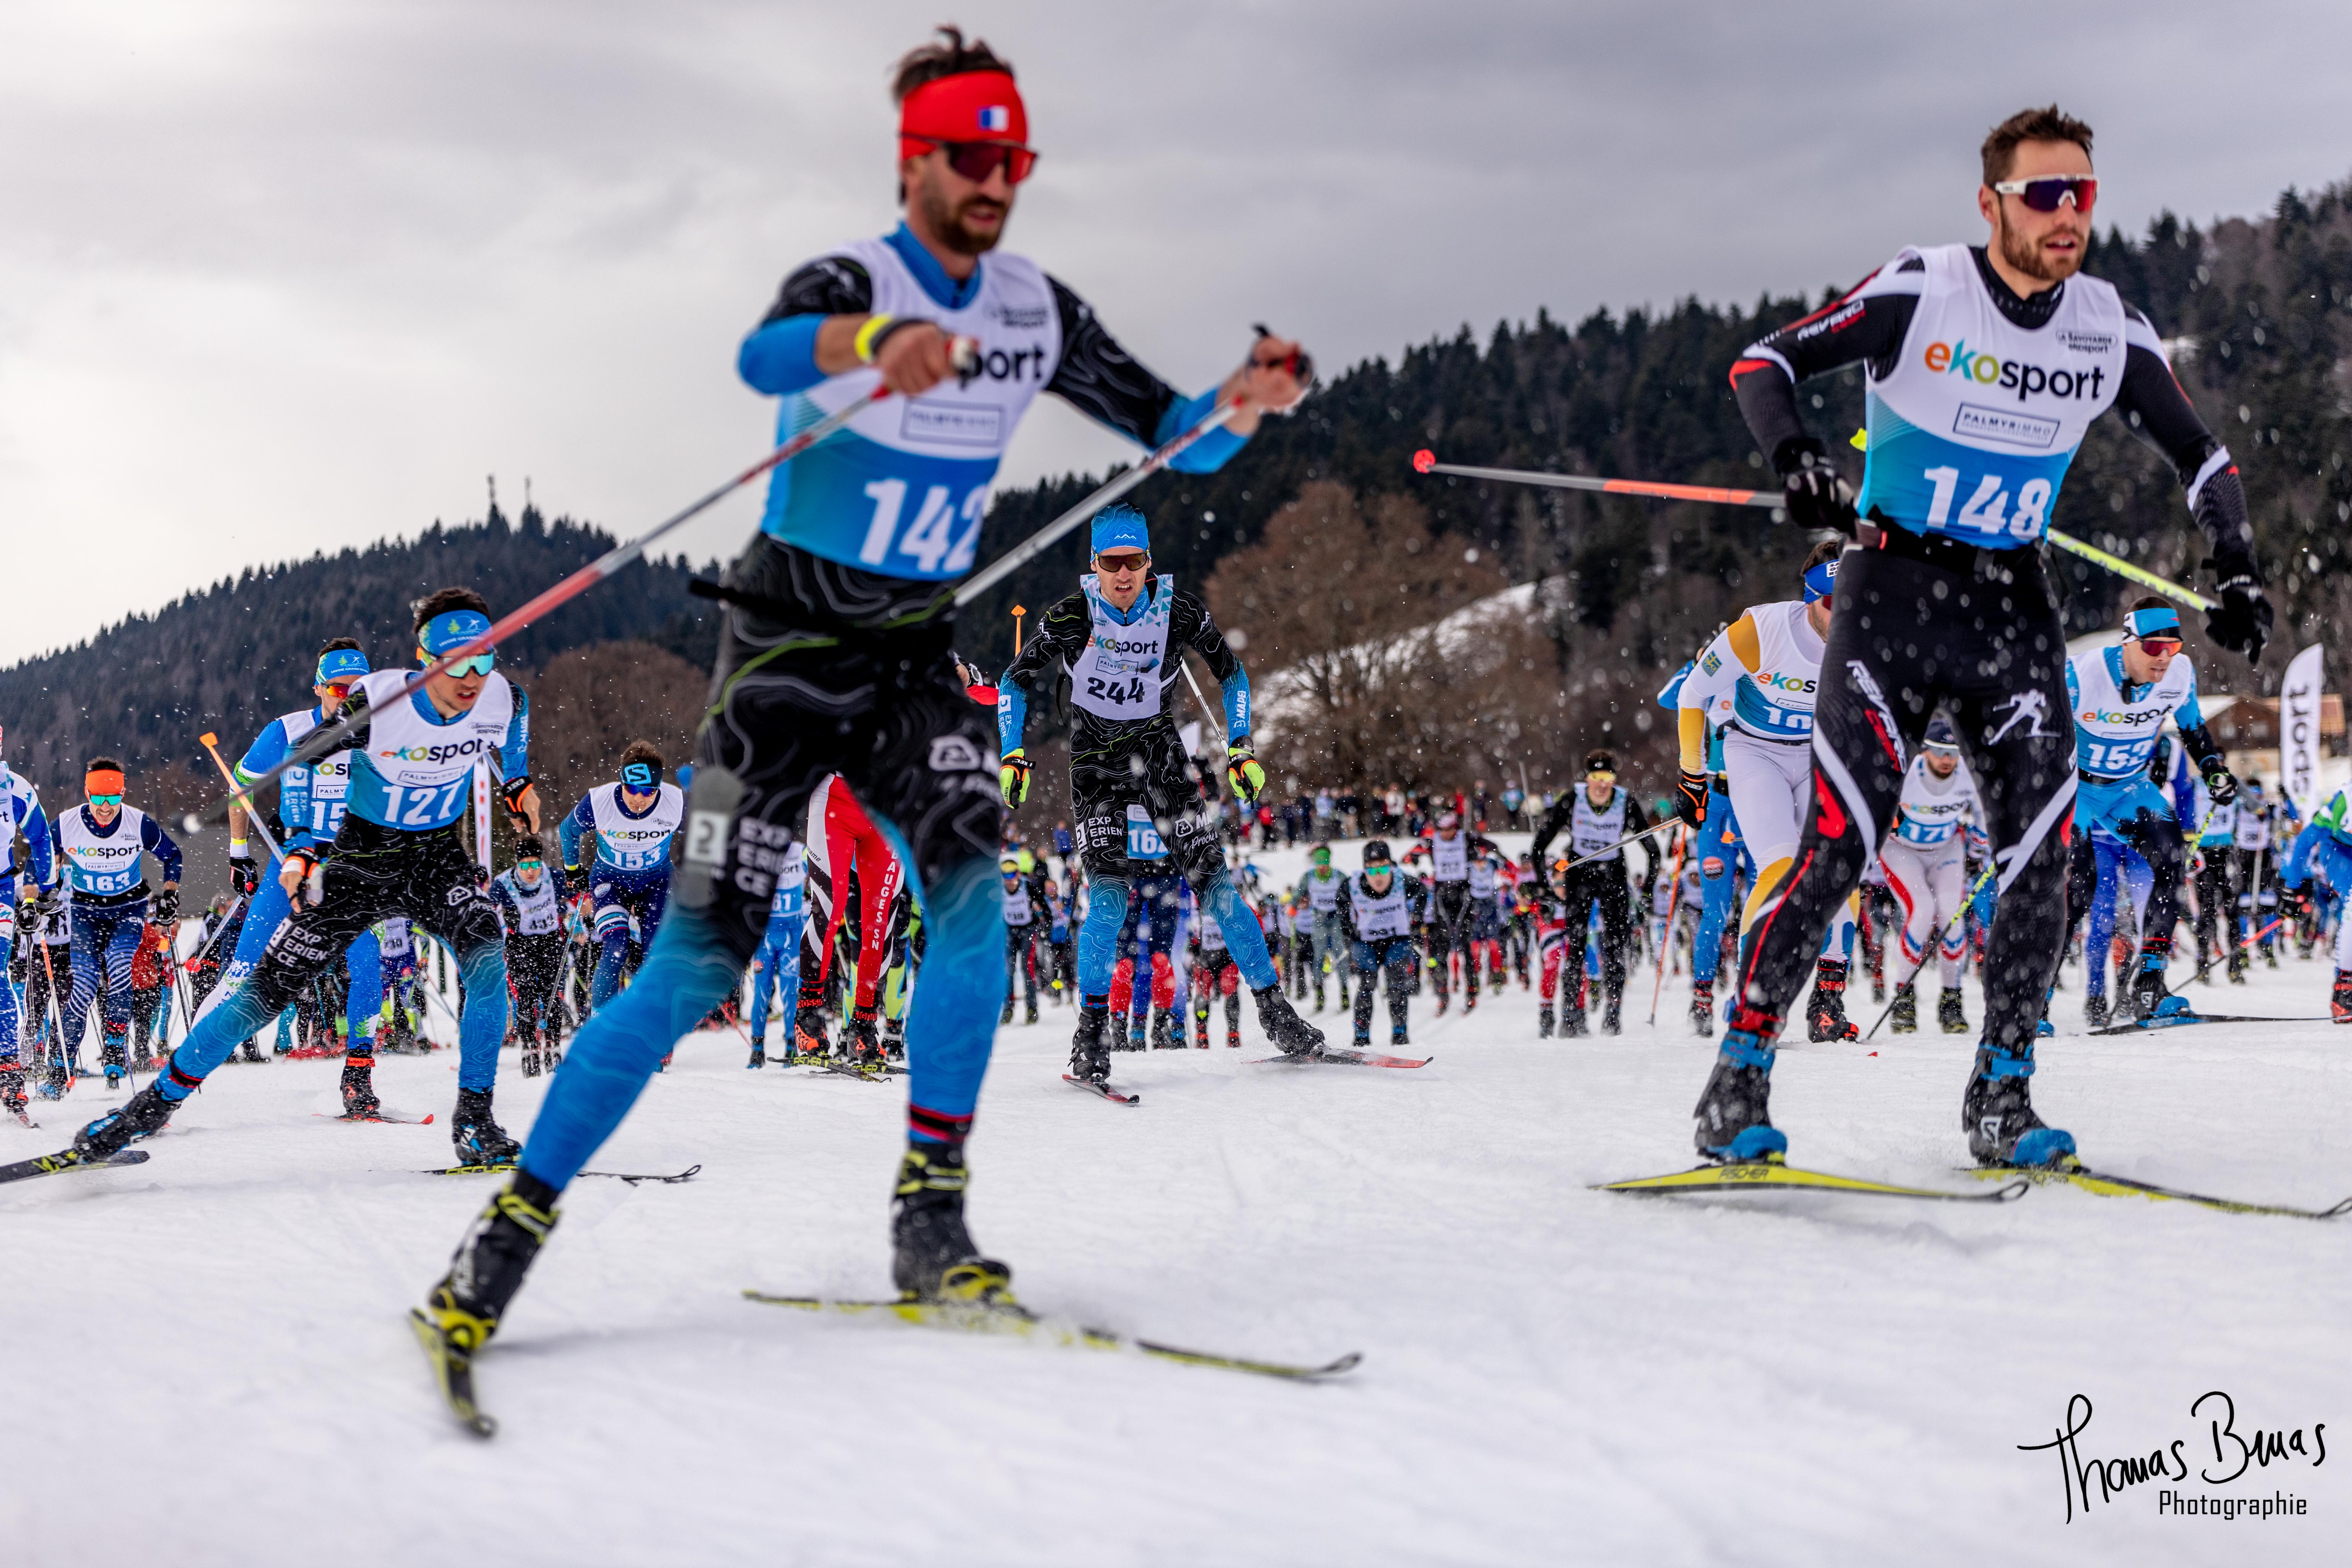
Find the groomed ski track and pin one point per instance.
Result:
(1551, 1374)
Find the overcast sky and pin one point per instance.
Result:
(283, 275)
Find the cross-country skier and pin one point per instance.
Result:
(104, 843)
(151, 995)
(531, 893)
(401, 849)
(1320, 889)
(2325, 846)
(1214, 975)
(1383, 913)
(837, 655)
(1983, 368)
(1925, 856)
(852, 866)
(1596, 817)
(20, 812)
(1024, 911)
(1121, 637)
(776, 967)
(2249, 840)
(1452, 911)
(2120, 893)
(632, 822)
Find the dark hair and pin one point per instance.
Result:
(338, 644)
(2150, 602)
(1826, 550)
(1600, 758)
(642, 752)
(2047, 124)
(445, 601)
(97, 762)
(531, 846)
(946, 55)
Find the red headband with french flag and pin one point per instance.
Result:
(971, 106)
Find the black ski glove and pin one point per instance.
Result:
(2242, 622)
(1811, 490)
(1690, 799)
(167, 906)
(243, 876)
(2222, 785)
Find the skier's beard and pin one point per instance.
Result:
(2027, 257)
(946, 222)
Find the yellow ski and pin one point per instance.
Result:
(1755, 1176)
(2077, 1174)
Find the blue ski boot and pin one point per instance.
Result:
(1998, 1114)
(1734, 1118)
(2150, 998)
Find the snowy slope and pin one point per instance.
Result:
(210, 1366)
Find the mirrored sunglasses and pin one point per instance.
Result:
(2044, 193)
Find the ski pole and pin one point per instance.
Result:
(1425, 462)
(322, 741)
(1992, 867)
(1629, 838)
(1674, 900)
(243, 799)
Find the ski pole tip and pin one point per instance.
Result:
(1423, 460)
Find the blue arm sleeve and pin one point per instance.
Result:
(268, 749)
(1012, 713)
(505, 896)
(2074, 684)
(581, 820)
(781, 356)
(2297, 867)
(1207, 454)
(514, 751)
(159, 844)
(35, 825)
(1237, 706)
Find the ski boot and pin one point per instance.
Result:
(1030, 1015)
(1572, 1018)
(1202, 1021)
(1163, 1029)
(1005, 1016)
(114, 1060)
(932, 1255)
(55, 1081)
(1543, 1022)
(1090, 1058)
(1734, 1115)
(2270, 954)
(12, 1088)
(359, 1103)
(2340, 1000)
(1318, 998)
(861, 1040)
(462, 1312)
(2237, 966)
(2094, 1011)
(1826, 1019)
(1292, 1035)
(759, 1055)
(142, 1116)
(1469, 1001)
(529, 1056)
(1440, 1001)
(479, 1140)
(894, 1040)
(1118, 1033)
(2150, 998)
(1612, 1015)
(1905, 1018)
(809, 1044)
(1701, 1007)
(1233, 1032)
(1948, 1013)
(143, 1060)
(1997, 1115)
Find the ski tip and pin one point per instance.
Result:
(1346, 1363)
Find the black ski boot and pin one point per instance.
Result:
(809, 1044)
(1090, 1058)
(2340, 1000)
(1163, 1027)
(489, 1266)
(759, 1055)
(2094, 1010)
(861, 1040)
(1613, 1016)
(2237, 966)
(530, 1056)
(1005, 1016)
(894, 1040)
(359, 1103)
(1998, 1114)
(1826, 1019)
(1734, 1116)
(143, 1060)
(12, 1088)
(1701, 1007)
(1905, 1019)
(142, 1115)
(932, 1255)
(1118, 1033)
(1292, 1035)
(1572, 1020)
(2149, 997)
(1030, 1017)
(1948, 1013)
(114, 1060)
(479, 1139)
(1543, 1022)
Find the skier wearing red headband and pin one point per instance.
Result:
(836, 656)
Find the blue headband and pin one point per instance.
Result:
(1121, 527)
(2155, 619)
(641, 777)
(1821, 581)
(340, 665)
(452, 628)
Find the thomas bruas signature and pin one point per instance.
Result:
(2216, 1453)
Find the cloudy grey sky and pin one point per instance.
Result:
(278, 275)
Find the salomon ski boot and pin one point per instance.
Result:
(487, 1267)
(2094, 1010)
(2340, 1000)
(1090, 1058)
(1734, 1116)
(1826, 1019)
(143, 1115)
(1543, 1022)
(1998, 1114)
(114, 1060)
(932, 1255)
(481, 1141)
(1948, 1013)
(359, 1103)
(2150, 998)
(1612, 1015)
(1701, 1007)
(1292, 1035)
(1903, 1018)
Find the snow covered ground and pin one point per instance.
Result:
(215, 1344)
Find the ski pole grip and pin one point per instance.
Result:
(964, 354)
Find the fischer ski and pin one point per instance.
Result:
(2109, 1186)
(869, 1074)
(2174, 1021)
(453, 1369)
(1751, 1175)
(66, 1160)
(1337, 1057)
(1114, 1096)
(1007, 1317)
(632, 1177)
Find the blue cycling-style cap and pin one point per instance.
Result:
(1941, 737)
(642, 778)
(1121, 527)
(2156, 620)
(1820, 582)
(452, 628)
(341, 666)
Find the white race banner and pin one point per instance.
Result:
(2299, 730)
(482, 812)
